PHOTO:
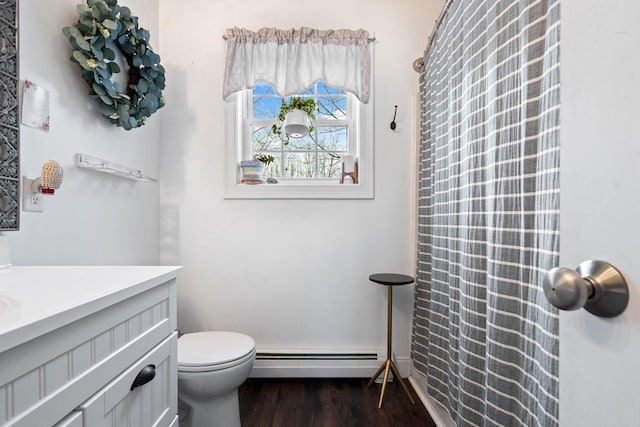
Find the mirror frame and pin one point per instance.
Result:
(9, 118)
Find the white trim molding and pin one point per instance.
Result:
(438, 413)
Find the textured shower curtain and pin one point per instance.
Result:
(484, 335)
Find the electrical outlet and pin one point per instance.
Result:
(35, 203)
(31, 202)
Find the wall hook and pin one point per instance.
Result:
(595, 285)
(393, 122)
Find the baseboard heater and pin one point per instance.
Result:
(316, 356)
(315, 364)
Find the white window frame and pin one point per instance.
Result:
(361, 145)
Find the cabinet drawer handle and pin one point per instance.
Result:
(144, 376)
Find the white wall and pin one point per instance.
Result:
(600, 209)
(292, 274)
(244, 269)
(92, 219)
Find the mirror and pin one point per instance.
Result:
(9, 118)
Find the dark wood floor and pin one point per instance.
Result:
(328, 403)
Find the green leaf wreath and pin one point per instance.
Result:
(102, 27)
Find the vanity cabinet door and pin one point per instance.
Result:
(153, 403)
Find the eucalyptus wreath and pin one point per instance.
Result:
(103, 27)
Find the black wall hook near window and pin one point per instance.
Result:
(393, 122)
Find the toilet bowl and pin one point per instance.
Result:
(211, 367)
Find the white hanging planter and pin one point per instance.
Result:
(296, 124)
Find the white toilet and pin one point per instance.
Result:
(211, 367)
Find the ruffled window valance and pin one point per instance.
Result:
(293, 60)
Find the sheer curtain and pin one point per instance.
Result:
(291, 61)
(484, 335)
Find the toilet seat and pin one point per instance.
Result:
(212, 351)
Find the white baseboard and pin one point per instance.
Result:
(438, 413)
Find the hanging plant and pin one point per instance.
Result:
(102, 28)
(308, 105)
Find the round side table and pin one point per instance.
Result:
(390, 280)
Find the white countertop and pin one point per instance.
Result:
(37, 300)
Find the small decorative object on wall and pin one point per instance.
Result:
(35, 106)
(103, 29)
(295, 118)
(9, 119)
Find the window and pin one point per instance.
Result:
(314, 157)
(308, 167)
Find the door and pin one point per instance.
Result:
(600, 206)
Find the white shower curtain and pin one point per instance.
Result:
(484, 335)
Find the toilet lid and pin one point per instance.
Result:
(212, 348)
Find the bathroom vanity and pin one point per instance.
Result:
(88, 346)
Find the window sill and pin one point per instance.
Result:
(299, 190)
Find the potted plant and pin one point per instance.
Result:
(252, 169)
(295, 118)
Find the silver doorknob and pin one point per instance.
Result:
(595, 285)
